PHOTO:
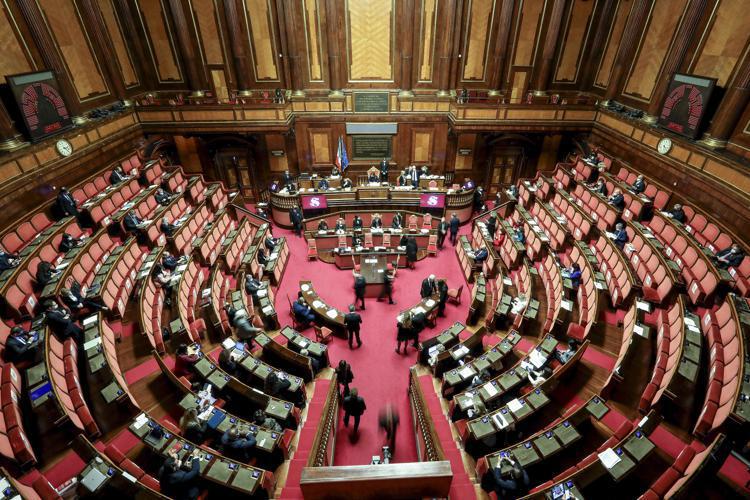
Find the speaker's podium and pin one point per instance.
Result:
(373, 190)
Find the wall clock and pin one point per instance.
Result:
(664, 145)
(64, 147)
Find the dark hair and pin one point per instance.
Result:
(182, 349)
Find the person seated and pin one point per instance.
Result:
(191, 427)
(8, 260)
(402, 179)
(68, 243)
(573, 273)
(178, 479)
(480, 255)
(162, 197)
(512, 191)
(677, 213)
(424, 171)
(565, 355)
(346, 183)
(335, 172)
(253, 285)
(538, 376)
(78, 304)
(397, 222)
(183, 361)
(261, 419)
(166, 227)
(302, 312)
(287, 180)
(468, 184)
(233, 442)
(133, 224)
(243, 325)
(617, 200)
(45, 273)
(66, 203)
(323, 185)
(270, 242)
(518, 234)
(513, 484)
(357, 240)
(357, 223)
(117, 176)
(340, 225)
(169, 261)
(276, 384)
(620, 235)
(315, 362)
(600, 187)
(639, 185)
(729, 257)
(61, 323)
(226, 362)
(373, 178)
(21, 345)
(376, 222)
(163, 279)
(262, 257)
(322, 225)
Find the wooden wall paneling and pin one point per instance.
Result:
(421, 146)
(160, 42)
(312, 38)
(337, 60)
(542, 73)
(295, 60)
(19, 53)
(615, 32)
(274, 143)
(624, 55)
(739, 143)
(497, 80)
(478, 39)
(285, 44)
(526, 32)
(136, 39)
(206, 16)
(123, 59)
(50, 56)
(234, 12)
(455, 56)
(464, 163)
(407, 20)
(733, 104)
(425, 42)
(674, 60)
(371, 42)
(723, 41)
(576, 32)
(448, 25)
(603, 29)
(261, 25)
(102, 45)
(10, 137)
(655, 42)
(188, 45)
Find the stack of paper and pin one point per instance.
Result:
(332, 313)
(609, 458)
(490, 389)
(140, 421)
(514, 405)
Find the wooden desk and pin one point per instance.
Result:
(329, 316)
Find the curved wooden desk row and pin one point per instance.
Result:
(420, 221)
(327, 315)
(374, 198)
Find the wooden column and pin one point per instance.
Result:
(444, 45)
(51, 56)
(186, 41)
(675, 57)
(731, 108)
(405, 44)
(497, 79)
(135, 37)
(295, 60)
(336, 60)
(94, 22)
(544, 72)
(10, 138)
(456, 58)
(238, 41)
(595, 50)
(626, 51)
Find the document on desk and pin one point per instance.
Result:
(429, 303)
(90, 320)
(228, 343)
(466, 371)
(140, 421)
(267, 310)
(317, 304)
(567, 305)
(461, 351)
(92, 343)
(609, 458)
(499, 420)
(305, 287)
(332, 313)
(514, 405)
(537, 359)
(420, 309)
(490, 389)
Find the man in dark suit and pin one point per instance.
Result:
(296, 217)
(397, 222)
(639, 185)
(359, 289)
(60, 321)
(131, 223)
(455, 224)
(270, 242)
(353, 320)
(178, 479)
(481, 255)
(600, 187)
(443, 228)
(302, 312)
(233, 441)
(402, 179)
(617, 199)
(7, 260)
(677, 213)
(372, 177)
(117, 176)
(323, 185)
(730, 257)
(354, 406)
(167, 227)
(346, 183)
(21, 345)
(442, 297)
(388, 278)
(357, 223)
(429, 287)
(492, 225)
(67, 204)
(340, 224)
(383, 170)
(162, 197)
(621, 236)
(169, 261)
(287, 180)
(414, 176)
(376, 222)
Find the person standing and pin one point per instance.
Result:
(344, 377)
(454, 225)
(354, 406)
(384, 170)
(429, 287)
(359, 289)
(388, 278)
(443, 228)
(353, 320)
(296, 217)
(443, 297)
(411, 251)
(404, 331)
(388, 421)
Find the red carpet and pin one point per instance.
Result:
(380, 374)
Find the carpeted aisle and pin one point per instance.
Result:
(381, 375)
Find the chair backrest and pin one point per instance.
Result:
(432, 184)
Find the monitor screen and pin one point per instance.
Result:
(686, 103)
(39, 101)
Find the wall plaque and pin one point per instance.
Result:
(370, 102)
(371, 147)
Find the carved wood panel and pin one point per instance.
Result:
(160, 41)
(428, 31)
(577, 31)
(613, 43)
(477, 39)
(370, 37)
(116, 35)
(17, 57)
(260, 25)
